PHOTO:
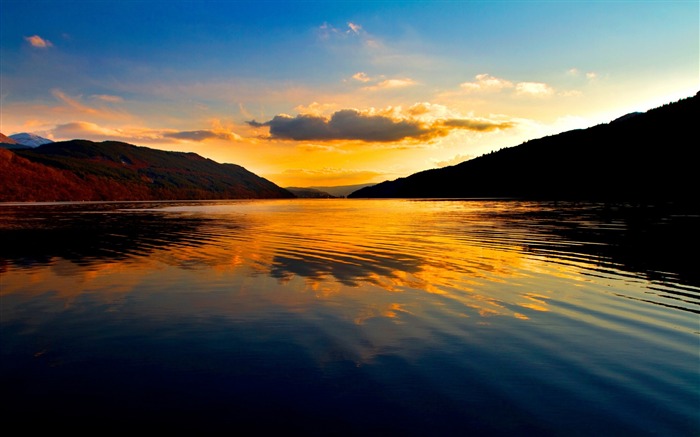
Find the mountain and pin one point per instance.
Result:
(309, 193)
(9, 143)
(646, 156)
(341, 190)
(30, 140)
(85, 170)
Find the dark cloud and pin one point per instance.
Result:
(347, 124)
(350, 124)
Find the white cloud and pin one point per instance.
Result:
(355, 28)
(486, 82)
(326, 30)
(537, 89)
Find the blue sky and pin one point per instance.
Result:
(331, 93)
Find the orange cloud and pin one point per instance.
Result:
(39, 42)
(391, 83)
(326, 176)
(362, 77)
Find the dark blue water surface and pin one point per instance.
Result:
(351, 317)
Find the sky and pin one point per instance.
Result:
(324, 93)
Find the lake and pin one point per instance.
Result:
(351, 317)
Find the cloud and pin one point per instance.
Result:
(536, 89)
(346, 124)
(201, 135)
(73, 102)
(83, 129)
(370, 126)
(362, 77)
(244, 111)
(355, 28)
(392, 83)
(108, 98)
(327, 31)
(486, 82)
(95, 132)
(39, 42)
(477, 124)
(381, 83)
(457, 159)
(327, 176)
(591, 75)
(316, 108)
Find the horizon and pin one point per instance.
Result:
(324, 95)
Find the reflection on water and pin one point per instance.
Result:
(354, 317)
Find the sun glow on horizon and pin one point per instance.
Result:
(341, 95)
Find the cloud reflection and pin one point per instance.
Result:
(321, 250)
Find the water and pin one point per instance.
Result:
(351, 317)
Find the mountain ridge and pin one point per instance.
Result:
(610, 161)
(30, 140)
(113, 170)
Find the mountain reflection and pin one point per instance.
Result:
(652, 242)
(88, 234)
(440, 247)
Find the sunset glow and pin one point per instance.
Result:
(324, 93)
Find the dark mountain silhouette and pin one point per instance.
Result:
(111, 170)
(309, 193)
(638, 157)
(340, 190)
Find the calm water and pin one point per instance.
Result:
(351, 317)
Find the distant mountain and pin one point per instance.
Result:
(111, 170)
(30, 140)
(309, 193)
(341, 190)
(9, 143)
(638, 157)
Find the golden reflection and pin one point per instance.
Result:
(536, 302)
(390, 311)
(321, 250)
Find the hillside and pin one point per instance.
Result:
(639, 156)
(110, 170)
(6, 140)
